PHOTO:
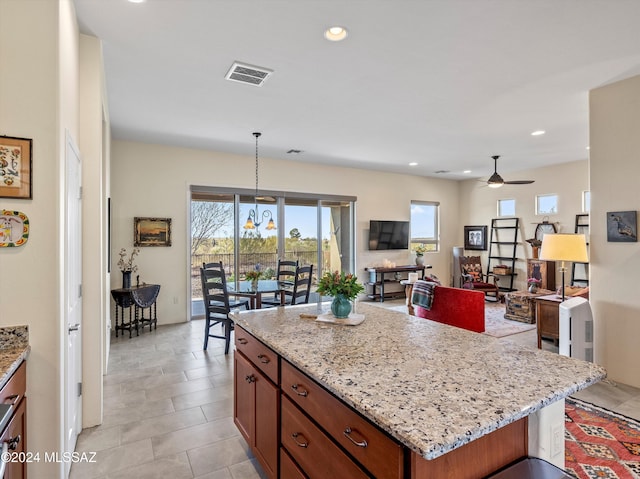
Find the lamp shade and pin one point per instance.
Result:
(564, 247)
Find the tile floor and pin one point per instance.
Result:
(168, 409)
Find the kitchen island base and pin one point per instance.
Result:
(349, 444)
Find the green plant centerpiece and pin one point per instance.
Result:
(343, 287)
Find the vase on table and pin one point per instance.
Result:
(340, 306)
(420, 260)
(254, 285)
(533, 288)
(126, 279)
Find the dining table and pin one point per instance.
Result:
(254, 290)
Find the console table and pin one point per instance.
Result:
(136, 299)
(379, 280)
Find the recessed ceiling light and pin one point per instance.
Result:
(588, 147)
(413, 163)
(538, 133)
(467, 171)
(137, 1)
(335, 34)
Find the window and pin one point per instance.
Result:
(314, 229)
(507, 207)
(586, 201)
(546, 204)
(424, 225)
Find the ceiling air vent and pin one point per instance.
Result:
(243, 73)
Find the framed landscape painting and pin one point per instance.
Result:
(475, 237)
(152, 232)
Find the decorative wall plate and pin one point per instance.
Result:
(14, 228)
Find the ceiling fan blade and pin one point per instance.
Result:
(519, 182)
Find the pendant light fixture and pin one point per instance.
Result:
(252, 220)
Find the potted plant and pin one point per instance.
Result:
(253, 276)
(420, 250)
(343, 287)
(126, 266)
(534, 284)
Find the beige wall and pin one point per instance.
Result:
(93, 138)
(478, 205)
(615, 169)
(38, 52)
(153, 181)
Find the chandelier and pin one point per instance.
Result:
(254, 220)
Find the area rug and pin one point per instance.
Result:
(495, 323)
(600, 443)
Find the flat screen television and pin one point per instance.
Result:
(388, 235)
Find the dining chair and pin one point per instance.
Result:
(216, 304)
(286, 275)
(302, 287)
(233, 303)
(299, 291)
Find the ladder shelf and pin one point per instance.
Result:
(503, 243)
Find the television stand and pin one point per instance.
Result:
(378, 280)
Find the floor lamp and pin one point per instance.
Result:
(564, 247)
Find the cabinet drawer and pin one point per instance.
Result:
(288, 468)
(316, 454)
(376, 451)
(260, 355)
(13, 391)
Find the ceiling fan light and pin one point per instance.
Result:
(495, 181)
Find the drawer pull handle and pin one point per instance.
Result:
(264, 359)
(13, 442)
(305, 443)
(13, 398)
(242, 341)
(250, 378)
(301, 392)
(347, 433)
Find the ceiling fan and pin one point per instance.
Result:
(496, 181)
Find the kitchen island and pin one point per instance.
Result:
(439, 393)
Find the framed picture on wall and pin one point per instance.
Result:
(475, 237)
(15, 167)
(152, 232)
(622, 227)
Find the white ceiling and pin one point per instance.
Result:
(444, 83)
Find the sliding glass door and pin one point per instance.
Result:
(247, 233)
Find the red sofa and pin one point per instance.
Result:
(463, 308)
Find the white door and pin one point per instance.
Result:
(73, 298)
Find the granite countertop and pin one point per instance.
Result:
(433, 387)
(14, 348)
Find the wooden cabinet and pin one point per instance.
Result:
(377, 452)
(548, 317)
(545, 271)
(14, 433)
(256, 400)
(313, 450)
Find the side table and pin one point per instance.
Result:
(408, 291)
(548, 317)
(136, 298)
(520, 306)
